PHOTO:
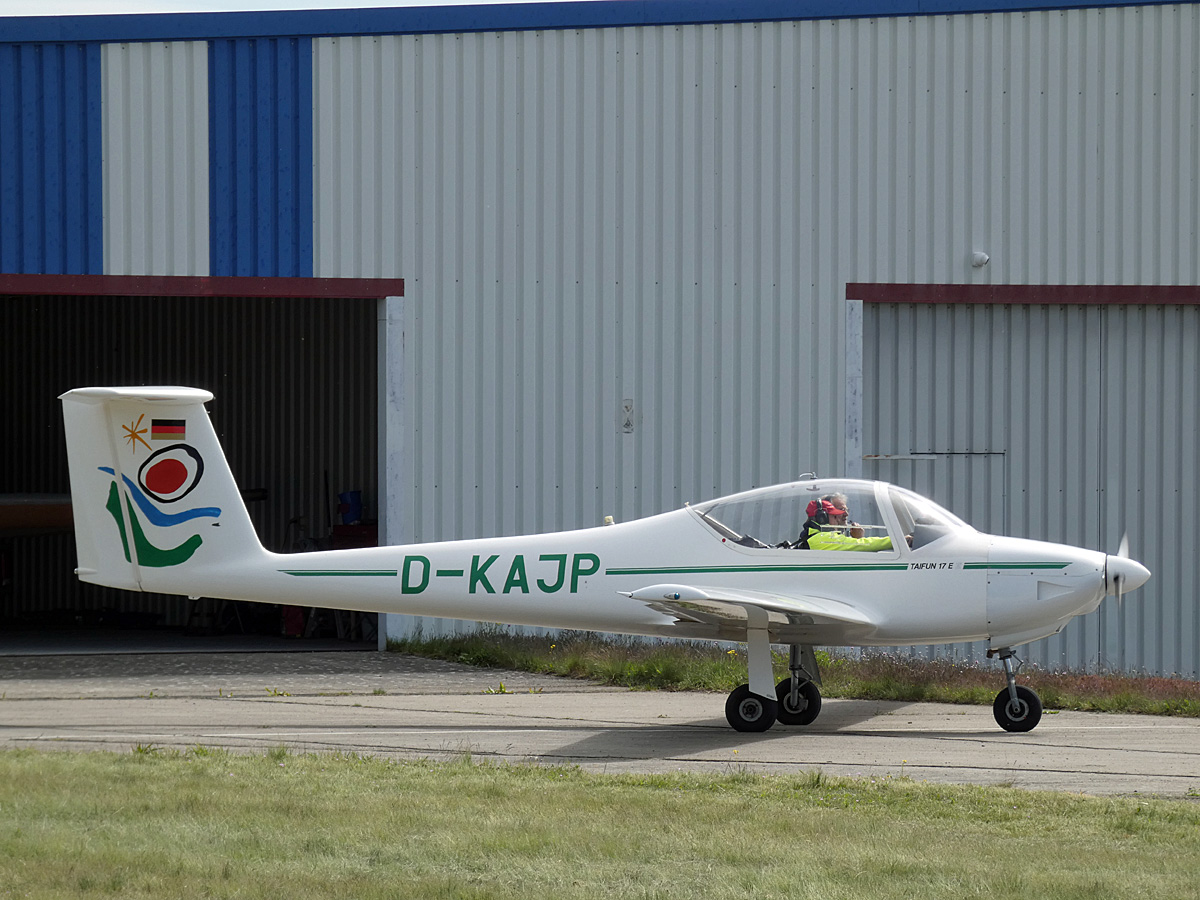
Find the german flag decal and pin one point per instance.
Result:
(168, 430)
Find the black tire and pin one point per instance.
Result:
(1027, 714)
(747, 711)
(810, 703)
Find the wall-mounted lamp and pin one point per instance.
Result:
(979, 259)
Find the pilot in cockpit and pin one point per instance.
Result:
(829, 528)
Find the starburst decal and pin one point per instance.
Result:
(133, 433)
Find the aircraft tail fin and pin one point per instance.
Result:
(156, 507)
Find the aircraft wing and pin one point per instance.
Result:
(712, 605)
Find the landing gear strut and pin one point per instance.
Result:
(1017, 708)
(753, 707)
(798, 695)
(794, 701)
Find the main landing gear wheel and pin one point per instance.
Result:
(802, 712)
(750, 712)
(1023, 716)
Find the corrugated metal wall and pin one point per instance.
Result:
(1149, 448)
(156, 218)
(550, 198)
(261, 153)
(294, 385)
(667, 217)
(627, 248)
(50, 179)
(1062, 423)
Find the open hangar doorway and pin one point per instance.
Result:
(1055, 412)
(292, 366)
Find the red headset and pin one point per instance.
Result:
(820, 511)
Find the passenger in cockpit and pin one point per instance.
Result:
(829, 528)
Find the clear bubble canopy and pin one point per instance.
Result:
(775, 517)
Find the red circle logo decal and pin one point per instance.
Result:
(171, 473)
(166, 476)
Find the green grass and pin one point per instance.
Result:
(677, 665)
(207, 823)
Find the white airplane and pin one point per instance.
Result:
(818, 562)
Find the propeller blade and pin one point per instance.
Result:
(1119, 580)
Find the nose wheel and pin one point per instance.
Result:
(1017, 708)
(1022, 715)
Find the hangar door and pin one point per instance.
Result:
(294, 380)
(1069, 423)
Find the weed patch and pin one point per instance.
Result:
(681, 665)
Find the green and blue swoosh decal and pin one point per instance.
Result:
(147, 553)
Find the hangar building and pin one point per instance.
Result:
(509, 267)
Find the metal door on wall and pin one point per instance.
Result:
(1069, 423)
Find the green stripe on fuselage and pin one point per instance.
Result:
(750, 570)
(341, 573)
(1017, 565)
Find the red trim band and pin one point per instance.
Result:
(201, 286)
(1078, 294)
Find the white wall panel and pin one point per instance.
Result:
(553, 208)
(670, 215)
(155, 134)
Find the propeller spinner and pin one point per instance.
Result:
(1122, 574)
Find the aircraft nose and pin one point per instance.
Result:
(1129, 572)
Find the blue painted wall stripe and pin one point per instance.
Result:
(260, 157)
(10, 142)
(51, 198)
(491, 17)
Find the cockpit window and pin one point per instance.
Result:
(922, 518)
(776, 517)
